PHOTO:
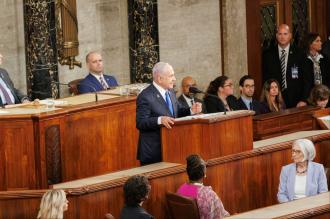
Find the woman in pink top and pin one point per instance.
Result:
(209, 204)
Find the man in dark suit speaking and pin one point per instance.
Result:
(8, 93)
(95, 80)
(155, 106)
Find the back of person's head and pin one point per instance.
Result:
(319, 93)
(53, 204)
(215, 84)
(243, 79)
(196, 167)
(136, 190)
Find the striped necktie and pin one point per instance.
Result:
(6, 95)
(104, 85)
(283, 69)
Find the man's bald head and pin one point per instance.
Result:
(186, 83)
(283, 35)
(94, 62)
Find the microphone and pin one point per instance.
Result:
(195, 90)
(83, 84)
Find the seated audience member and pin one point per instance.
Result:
(303, 177)
(136, 191)
(95, 80)
(246, 101)
(316, 66)
(271, 96)
(319, 96)
(219, 97)
(8, 93)
(53, 204)
(186, 98)
(208, 202)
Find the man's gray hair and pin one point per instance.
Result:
(307, 147)
(160, 67)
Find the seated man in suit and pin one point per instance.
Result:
(155, 106)
(246, 101)
(95, 80)
(8, 93)
(186, 98)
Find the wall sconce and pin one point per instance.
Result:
(67, 32)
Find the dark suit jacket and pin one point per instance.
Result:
(134, 212)
(18, 95)
(308, 70)
(91, 81)
(256, 106)
(184, 103)
(271, 68)
(149, 106)
(214, 105)
(326, 48)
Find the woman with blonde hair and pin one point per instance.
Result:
(271, 96)
(53, 204)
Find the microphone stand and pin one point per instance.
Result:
(83, 84)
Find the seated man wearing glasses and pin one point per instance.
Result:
(246, 101)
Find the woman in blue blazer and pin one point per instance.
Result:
(303, 177)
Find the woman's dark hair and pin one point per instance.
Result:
(318, 93)
(136, 190)
(196, 167)
(215, 84)
(308, 40)
(265, 95)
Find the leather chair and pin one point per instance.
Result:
(73, 86)
(180, 207)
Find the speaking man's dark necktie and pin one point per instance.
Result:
(169, 102)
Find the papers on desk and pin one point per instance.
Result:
(200, 116)
(325, 120)
(54, 102)
(3, 112)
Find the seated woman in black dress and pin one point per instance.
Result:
(136, 191)
(219, 97)
(271, 96)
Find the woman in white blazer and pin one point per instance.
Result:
(303, 177)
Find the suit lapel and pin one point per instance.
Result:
(174, 103)
(161, 100)
(6, 80)
(291, 181)
(309, 178)
(95, 83)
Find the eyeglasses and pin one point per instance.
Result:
(296, 151)
(228, 85)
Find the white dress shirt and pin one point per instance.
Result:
(97, 76)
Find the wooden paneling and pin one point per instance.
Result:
(284, 122)
(66, 144)
(17, 156)
(244, 181)
(231, 134)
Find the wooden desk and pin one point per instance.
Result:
(308, 207)
(39, 146)
(209, 135)
(284, 122)
(244, 181)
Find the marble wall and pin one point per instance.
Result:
(12, 41)
(189, 37)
